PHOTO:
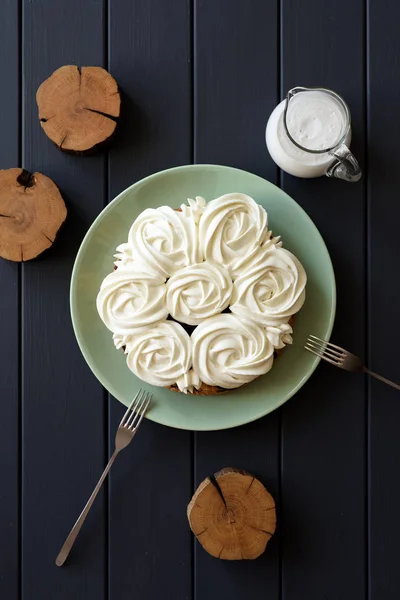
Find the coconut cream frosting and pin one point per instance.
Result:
(198, 291)
(229, 351)
(213, 266)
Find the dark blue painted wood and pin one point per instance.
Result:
(324, 437)
(64, 439)
(317, 466)
(384, 290)
(9, 319)
(236, 87)
(150, 485)
(236, 82)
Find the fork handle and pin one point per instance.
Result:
(395, 385)
(69, 542)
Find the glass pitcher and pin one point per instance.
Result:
(309, 133)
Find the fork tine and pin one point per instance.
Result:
(326, 346)
(140, 412)
(135, 426)
(326, 351)
(332, 362)
(341, 350)
(131, 406)
(137, 409)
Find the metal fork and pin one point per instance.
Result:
(126, 431)
(337, 356)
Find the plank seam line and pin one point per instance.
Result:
(106, 395)
(192, 6)
(20, 309)
(367, 506)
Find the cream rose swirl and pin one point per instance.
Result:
(229, 351)
(131, 298)
(194, 208)
(186, 382)
(124, 257)
(198, 291)
(162, 355)
(165, 239)
(279, 335)
(231, 229)
(270, 290)
(246, 261)
(122, 342)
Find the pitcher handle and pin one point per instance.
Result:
(345, 166)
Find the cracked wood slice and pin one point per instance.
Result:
(79, 107)
(31, 212)
(233, 516)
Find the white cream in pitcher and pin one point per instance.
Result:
(316, 121)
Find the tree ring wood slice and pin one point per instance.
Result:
(31, 212)
(232, 516)
(79, 107)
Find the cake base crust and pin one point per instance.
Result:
(204, 390)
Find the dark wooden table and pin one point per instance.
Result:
(199, 79)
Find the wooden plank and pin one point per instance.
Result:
(150, 541)
(64, 441)
(324, 437)
(9, 319)
(236, 86)
(384, 290)
(236, 82)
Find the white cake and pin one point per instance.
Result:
(202, 297)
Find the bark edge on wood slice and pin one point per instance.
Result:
(31, 212)
(232, 515)
(79, 107)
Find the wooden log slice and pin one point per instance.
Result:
(79, 107)
(31, 212)
(232, 516)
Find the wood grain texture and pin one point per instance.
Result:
(150, 486)
(9, 319)
(63, 412)
(236, 87)
(232, 515)
(324, 437)
(384, 289)
(79, 107)
(31, 213)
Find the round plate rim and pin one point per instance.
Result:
(73, 294)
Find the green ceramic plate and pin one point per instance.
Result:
(172, 187)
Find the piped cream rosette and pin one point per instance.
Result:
(124, 257)
(165, 239)
(279, 335)
(131, 298)
(232, 230)
(229, 351)
(271, 290)
(162, 355)
(198, 292)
